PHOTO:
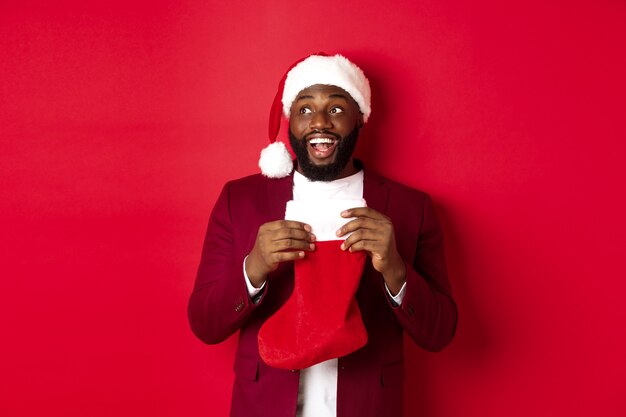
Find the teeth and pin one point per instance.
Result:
(317, 141)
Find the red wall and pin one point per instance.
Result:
(119, 124)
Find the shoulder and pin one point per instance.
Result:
(248, 181)
(254, 183)
(258, 196)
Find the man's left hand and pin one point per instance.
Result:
(373, 232)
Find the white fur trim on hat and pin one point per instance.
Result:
(328, 70)
(275, 161)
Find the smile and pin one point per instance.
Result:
(322, 147)
(321, 144)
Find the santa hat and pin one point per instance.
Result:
(337, 70)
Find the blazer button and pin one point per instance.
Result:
(410, 309)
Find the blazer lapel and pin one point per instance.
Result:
(279, 191)
(375, 193)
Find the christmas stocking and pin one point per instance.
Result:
(321, 320)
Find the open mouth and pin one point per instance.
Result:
(322, 147)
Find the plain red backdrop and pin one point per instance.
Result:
(120, 121)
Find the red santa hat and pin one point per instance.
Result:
(337, 70)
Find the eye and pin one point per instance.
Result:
(304, 110)
(336, 110)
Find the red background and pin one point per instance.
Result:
(120, 122)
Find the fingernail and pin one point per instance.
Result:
(312, 246)
(343, 247)
(312, 236)
(338, 232)
(344, 213)
(301, 254)
(307, 227)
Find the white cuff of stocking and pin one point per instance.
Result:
(324, 215)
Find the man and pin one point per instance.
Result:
(246, 274)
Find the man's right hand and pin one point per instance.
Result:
(276, 242)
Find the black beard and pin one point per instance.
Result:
(327, 172)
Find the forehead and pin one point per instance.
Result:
(322, 91)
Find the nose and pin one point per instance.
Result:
(320, 121)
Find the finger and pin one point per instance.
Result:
(356, 224)
(287, 224)
(351, 240)
(362, 212)
(356, 237)
(296, 234)
(368, 234)
(292, 244)
(287, 256)
(369, 246)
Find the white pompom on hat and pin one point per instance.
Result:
(337, 70)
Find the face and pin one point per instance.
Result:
(323, 131)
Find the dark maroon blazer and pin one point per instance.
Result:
(370, 379)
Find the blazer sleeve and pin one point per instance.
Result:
(428, 312)
(219, 304)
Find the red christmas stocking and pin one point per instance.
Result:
(321, 320)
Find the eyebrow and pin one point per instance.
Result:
(336, 95)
